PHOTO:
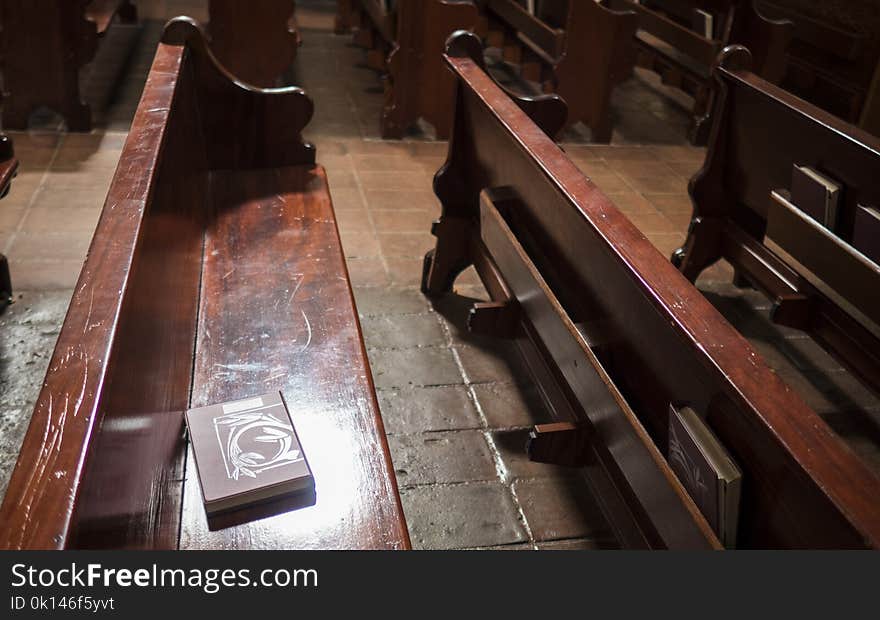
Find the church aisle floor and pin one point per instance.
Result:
(456, 407)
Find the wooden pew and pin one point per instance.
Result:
(614, 335)
(256, 42)
(578, 50)
(407, 42)
(8, 169)
(215, 273)
(46, 43)
(683, 57)
(818, 280)
(828, 64)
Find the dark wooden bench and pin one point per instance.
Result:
(256, 42)
(669, 45)
(828, 64)
(822, 279)
(8, 169)
(405, 40)
(614, 335)
(578, 50)
(46, 43)
(215, 273)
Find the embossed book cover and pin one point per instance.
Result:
(247, 452)
(707, 471)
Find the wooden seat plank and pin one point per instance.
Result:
(297, 332)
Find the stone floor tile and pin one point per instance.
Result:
(44, 275)
(418, 200)
(402, 331)
(388, 221)
(59, 245)
(406, 245)
(424, 409)
(40, 219)
(447, 457)
(511, 405)
(405, 271)
(496, 363)
(372, 301)
(427, 366)
(367, 272)
(481, 514)
(557, 508)
(359, 244)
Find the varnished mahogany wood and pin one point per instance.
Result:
(216, 272)
(255, 41)
(582, 58)
(8, 168)
(45, 44)
(761, 131)
(407, 43)
(684, 58)
(613, 334)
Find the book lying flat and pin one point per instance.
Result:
(706, 470)
(247, 452)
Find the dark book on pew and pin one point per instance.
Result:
(816, 195)
(247, 452)
(866, 232)
(708, 473)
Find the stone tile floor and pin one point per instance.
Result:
(456, 407)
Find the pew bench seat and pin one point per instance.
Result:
(216, 273)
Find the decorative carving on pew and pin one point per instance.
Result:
(453, 253)
(8, 170)
(256, 42)
(581, 57)
(612, 334)
(817, 280)
(215, 273)
(46, 43)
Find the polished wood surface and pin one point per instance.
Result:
(255, 41)
(406, 43)
(8, 169)
(684, 58)
(215, 192)
(760, 133)
(614, 334)
(45, 45)
(583, 58)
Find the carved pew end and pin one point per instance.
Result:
(563, 443)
